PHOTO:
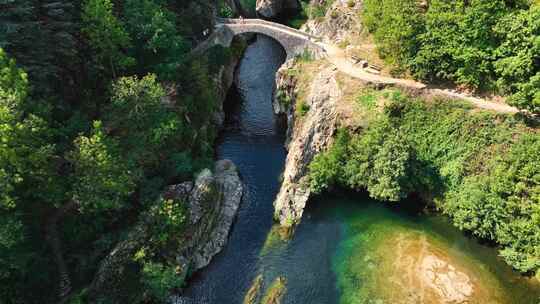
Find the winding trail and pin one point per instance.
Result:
(295, 42)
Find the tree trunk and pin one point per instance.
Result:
(56, 246)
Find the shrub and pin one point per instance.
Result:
(483, 169)
(301, 109)
(159, 280)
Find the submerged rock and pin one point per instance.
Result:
(394, 264)
(452, 285)
(275, 292)
(254, 291)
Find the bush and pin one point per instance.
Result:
(482, 169)
(395, 25)
(483, 44)
(326, 169)
(301, 109)
(318, 9)
(160, 280)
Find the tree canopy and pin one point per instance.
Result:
(478, 44)
(101, 106)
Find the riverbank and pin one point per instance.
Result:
(395, 144)
(398, 142)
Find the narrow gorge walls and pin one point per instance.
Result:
(311, 127)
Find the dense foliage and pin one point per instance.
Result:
(481, 169)
(101, 106)
(479, 44)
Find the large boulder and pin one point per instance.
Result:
(271, 9)
(212, 201)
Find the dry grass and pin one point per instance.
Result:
(352, 113)
(305, 72)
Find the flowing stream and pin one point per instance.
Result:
(348, 248)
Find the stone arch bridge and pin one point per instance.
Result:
(293, 41)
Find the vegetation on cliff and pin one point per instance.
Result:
(101, 106)
(480, 44)
(480, 168)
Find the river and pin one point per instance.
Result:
(348, 248)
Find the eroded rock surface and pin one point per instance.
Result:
(449, 283)
(340, 22)
(309, 135)
(212, 201)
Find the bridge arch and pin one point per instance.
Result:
(293, 41)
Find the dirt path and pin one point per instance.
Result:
(338, 57)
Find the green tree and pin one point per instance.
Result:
(379, 161)
(106, 35)
(146, 123)
(24, 160)
(160, 280)
(101, 178)
(517, 66)
(395, 25)
(157, 43)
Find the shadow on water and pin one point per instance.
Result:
(253, 139)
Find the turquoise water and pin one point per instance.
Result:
(381, 249)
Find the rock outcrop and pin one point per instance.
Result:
(340, 22)
(308, 135)
(223, 80)
(271, 9)
(212, 201)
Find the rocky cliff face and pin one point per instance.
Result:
(308, 135)
(271, 9)
(340, 22)
(212, 201)
(223, 81)
(313, 133)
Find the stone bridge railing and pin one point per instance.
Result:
(262, 22)
(292, 40)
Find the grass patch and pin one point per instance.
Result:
(306, 56)
(367, 100)
(301, 108)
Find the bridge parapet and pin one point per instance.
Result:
(264, 22)
(293, 41)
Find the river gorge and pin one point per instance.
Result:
(348, 248)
